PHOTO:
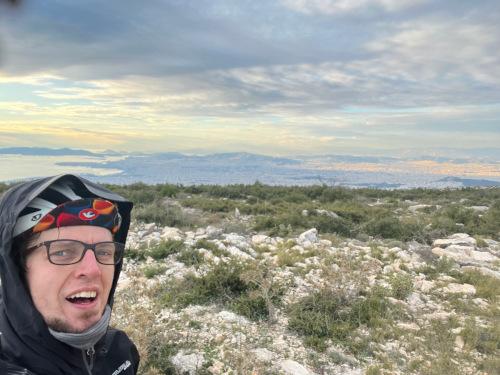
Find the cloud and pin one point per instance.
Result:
(347, 6)
(290, 74)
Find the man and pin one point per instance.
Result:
(61, 251)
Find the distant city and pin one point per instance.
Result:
(245, 168)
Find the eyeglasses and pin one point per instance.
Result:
(64, 252)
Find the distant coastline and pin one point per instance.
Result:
(246, 168)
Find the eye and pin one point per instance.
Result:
(105, 250)
(59, 253)
(64, 249)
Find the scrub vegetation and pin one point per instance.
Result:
(367, 294)
(415, 214)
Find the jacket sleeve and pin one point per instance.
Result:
(11, 369)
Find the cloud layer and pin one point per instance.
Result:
(277, 77)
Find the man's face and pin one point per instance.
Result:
(51, 285)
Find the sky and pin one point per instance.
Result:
(275, 77)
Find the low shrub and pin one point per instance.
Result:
(243, 287)
(327, 315)
(165, 248)
(401, 285)
(433, 270)
(210, 246)
(190, 257)
(154, 270)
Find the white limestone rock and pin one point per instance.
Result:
(213, 232)
(461, 239)
(465, 255)
(264, 355)
(308, 237)
(290, 367)
(236, 252)
(149, 228)
(483, 270)
(416, 207)
(408, 326)
(260, 239)
(231, 317)
(236, 240)
(170, 233)
(454, 288)
(189, 363)
(331, 214)
(479, 208)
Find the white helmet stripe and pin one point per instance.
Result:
(41, 204)
(66, 191)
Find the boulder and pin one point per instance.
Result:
(308, 237)
(188, 363)
(465, 255)
(461, 239)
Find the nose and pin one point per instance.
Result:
(88, 266)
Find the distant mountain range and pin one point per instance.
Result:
(246, 168)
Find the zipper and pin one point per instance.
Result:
(88, 359)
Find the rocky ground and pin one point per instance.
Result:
(442, 314)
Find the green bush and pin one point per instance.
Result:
(220, 284)
(326, 315)
(401, 285)
(442, 265)
(165, 248)
(152, 271)
(243, 287)
(212, 247)
(137, 254)
(190, 257)
(157, 212)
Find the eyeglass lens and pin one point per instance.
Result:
(69, 251)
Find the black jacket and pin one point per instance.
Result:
(26, 346)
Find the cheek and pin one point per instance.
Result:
(41, 287)
(107, 276)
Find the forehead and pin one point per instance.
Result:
(85, 233)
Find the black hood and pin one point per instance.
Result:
(24, 332)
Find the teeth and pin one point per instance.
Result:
(87, 294)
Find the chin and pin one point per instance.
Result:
(65, 326)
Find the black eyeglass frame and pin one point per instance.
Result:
(118, 256)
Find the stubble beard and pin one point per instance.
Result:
(64, 326)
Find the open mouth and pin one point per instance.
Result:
(82, 298)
